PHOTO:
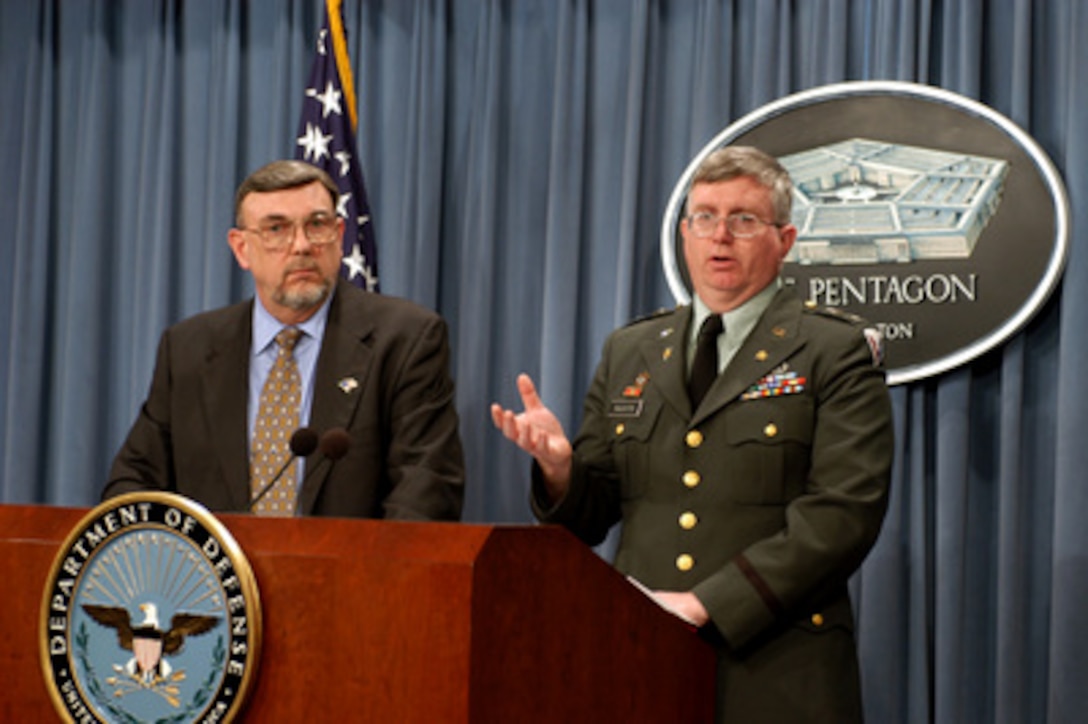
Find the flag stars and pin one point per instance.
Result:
(345, 162)
(370, 279)
(326, 138)
(355, 262)
(358, 267)
(342, 204)
(315, 144)
(329, 100)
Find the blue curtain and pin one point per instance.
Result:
(519, 155)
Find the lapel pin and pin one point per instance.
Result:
(348, 385)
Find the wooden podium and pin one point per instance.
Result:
(375, 621)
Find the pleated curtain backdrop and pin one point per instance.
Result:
(519, 156)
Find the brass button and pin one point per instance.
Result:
(761, 355)
(817, 619)
(620, 428)
(692, 478)
(685, 562)
(688, 520)
(694, 439)
(771, 430)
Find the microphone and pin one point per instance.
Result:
(302, 444)
(334, 445)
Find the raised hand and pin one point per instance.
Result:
(537, 431)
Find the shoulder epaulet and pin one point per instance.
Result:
(833, 313)
(873, 336)
(652, 315)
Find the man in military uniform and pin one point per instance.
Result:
(745, 506)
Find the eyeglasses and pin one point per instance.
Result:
(741, 225)
(277, 234)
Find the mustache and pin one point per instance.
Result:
(300, 265)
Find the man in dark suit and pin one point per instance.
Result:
(376, 366)
(748, 505)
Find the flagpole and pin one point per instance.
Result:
(326, 138)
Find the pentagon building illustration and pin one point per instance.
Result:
(865, 202)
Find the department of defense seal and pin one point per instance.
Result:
(150, 614)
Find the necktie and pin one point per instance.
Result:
(704, 367)
(277, 419)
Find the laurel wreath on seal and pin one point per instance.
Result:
(102, 698)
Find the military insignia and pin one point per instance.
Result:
(665, 332)
(781, 381)
(666, 354)
(835, 313)
(647, 317)
(876, 344)
(348, 385)
(635, 390)
(150, 613)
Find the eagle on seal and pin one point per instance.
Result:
(147, 641)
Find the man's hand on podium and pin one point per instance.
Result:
(683, 604)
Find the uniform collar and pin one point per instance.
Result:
(738, 322)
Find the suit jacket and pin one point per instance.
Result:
(382, 374)
(763, 501)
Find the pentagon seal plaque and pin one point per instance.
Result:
(150, 614)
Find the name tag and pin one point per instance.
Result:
(625, 408)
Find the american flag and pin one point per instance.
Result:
(326, 138)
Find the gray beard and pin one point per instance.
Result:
(303, 299)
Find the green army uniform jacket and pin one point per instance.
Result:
(763, 501)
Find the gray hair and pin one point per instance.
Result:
(733, 162)
(280, 175)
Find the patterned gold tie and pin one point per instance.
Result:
(277, 419)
